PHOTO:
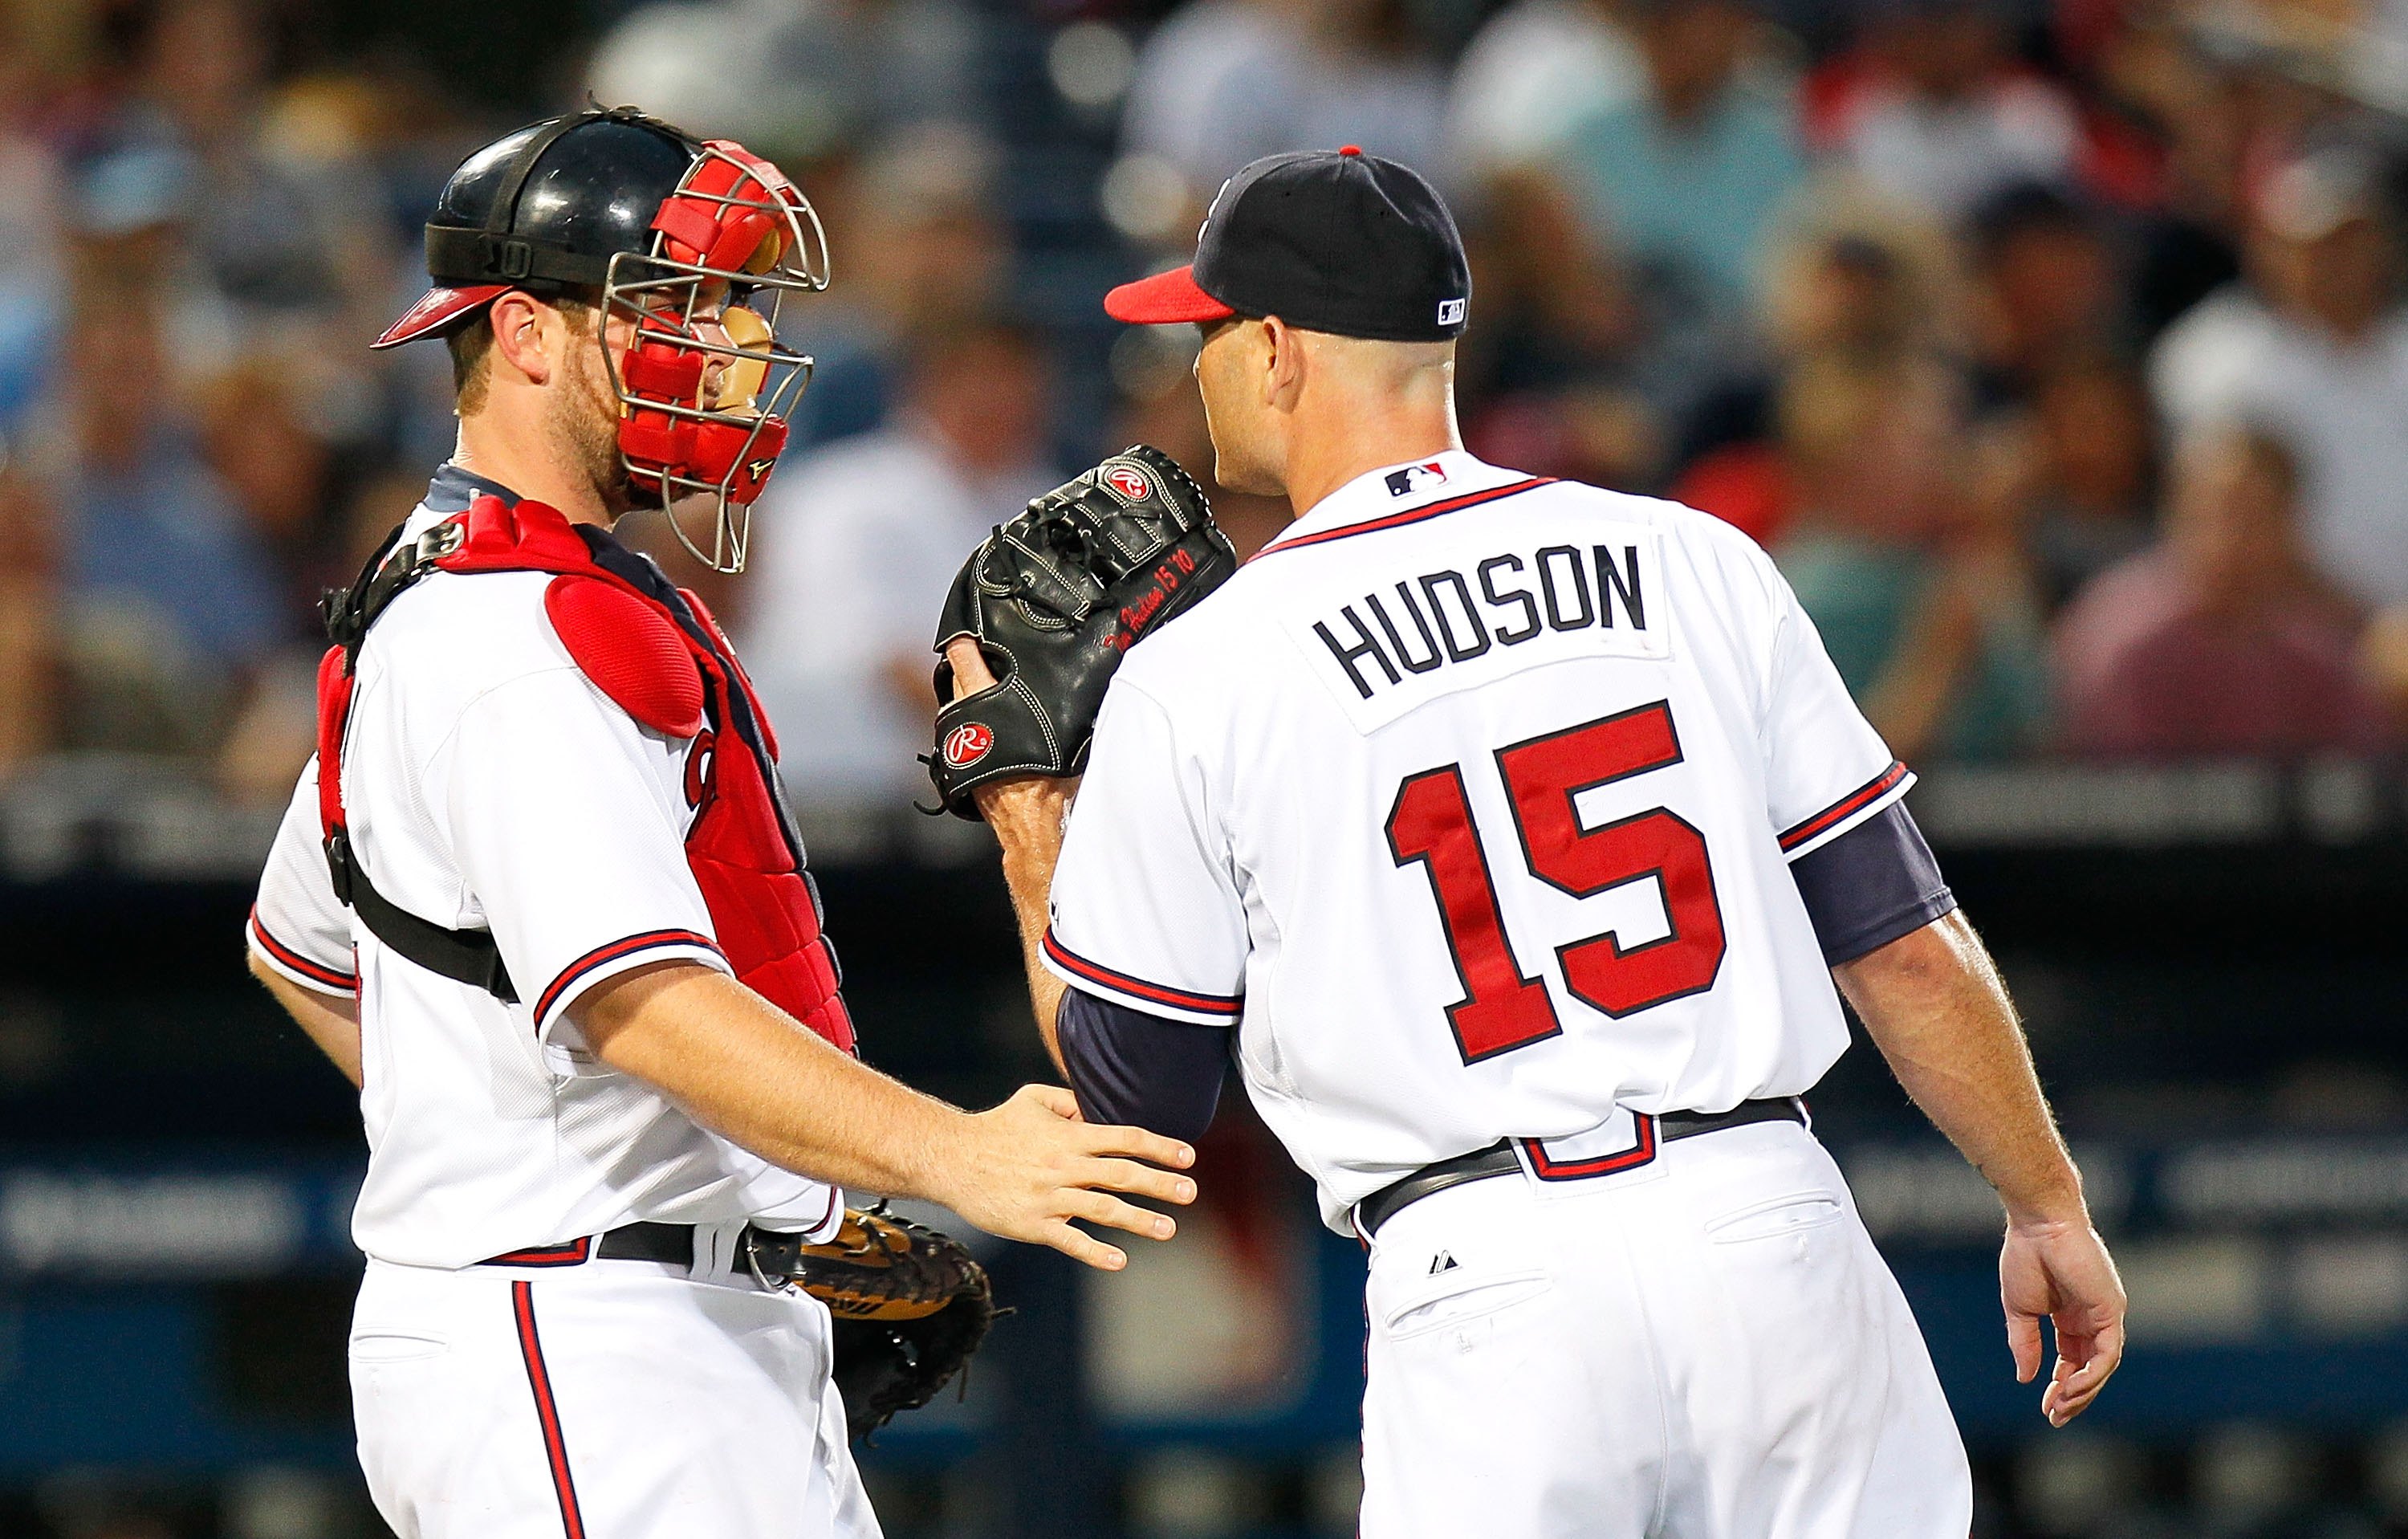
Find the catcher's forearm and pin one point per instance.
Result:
(330, 1020)
(746, 1069)
(1937, 1010)
(1026, 817)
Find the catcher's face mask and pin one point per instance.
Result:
(704, 387)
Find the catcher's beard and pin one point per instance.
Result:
(583, 425)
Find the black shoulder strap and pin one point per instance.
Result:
(465, 955)
(388, 573)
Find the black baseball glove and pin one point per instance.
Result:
(910, 1309)
(1055, 598)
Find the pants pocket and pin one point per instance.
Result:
(1779, 1217)
(1458, 1297)
(377, 1345)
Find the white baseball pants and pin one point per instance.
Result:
(621, 1400)
(1705, 1348)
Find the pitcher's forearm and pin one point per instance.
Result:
(1026, 817)
(741, 1066)
(1936, 1007)
(1030, 878)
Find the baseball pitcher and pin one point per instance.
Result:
(1508, 834)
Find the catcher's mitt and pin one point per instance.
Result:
(1054, 598)
(910, 1308)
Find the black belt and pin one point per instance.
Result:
(774, 1253)
(1499, 1160)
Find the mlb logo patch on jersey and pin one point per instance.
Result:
(1426, 477)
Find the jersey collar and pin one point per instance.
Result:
(449, 495)
(453, 489)
(1375, 495)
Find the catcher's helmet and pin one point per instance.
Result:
(697, 242)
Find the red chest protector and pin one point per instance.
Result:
(653, 649)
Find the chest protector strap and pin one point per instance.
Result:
(746, 856)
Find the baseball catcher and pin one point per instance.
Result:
(540, 897)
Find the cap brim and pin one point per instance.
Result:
(1166, 299)
(437, 310)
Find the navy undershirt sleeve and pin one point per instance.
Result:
(1142, 1071)
(1871, 886)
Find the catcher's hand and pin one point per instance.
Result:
(1054, 598)
(910, 1308)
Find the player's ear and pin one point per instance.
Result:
(526, 335)
(1283, 376)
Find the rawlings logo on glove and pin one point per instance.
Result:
(967, 743)
(1054, 598)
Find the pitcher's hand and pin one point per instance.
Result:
(1031, 1165)
(1021, 809)
(2062, 1270)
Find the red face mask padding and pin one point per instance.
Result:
(704, 385)
(670, 373)
(718, 445)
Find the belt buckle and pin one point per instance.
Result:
(750, 1241)
(779, 1282)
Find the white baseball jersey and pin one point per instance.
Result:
(1468, 803)
(489, 785)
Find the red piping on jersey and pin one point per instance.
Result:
(1397, 521)
(1546, 1169)
(1854, 802)
(547, 1411)
(347, 982)
(649, 940)
(1206, 1004)
(574, 1254)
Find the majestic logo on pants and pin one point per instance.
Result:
(967, 743)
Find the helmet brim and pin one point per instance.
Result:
(438, 310)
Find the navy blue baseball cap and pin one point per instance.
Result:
(1337, 241)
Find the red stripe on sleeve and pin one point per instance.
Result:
(348, 983)
(1841, 810)
(1209, 1004)
(601, 956)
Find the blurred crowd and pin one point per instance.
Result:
(2056, 348)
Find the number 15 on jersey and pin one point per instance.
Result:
(1502, 1008)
